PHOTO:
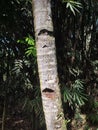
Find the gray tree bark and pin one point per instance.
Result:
(47, 65)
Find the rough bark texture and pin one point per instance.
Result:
(47, 65)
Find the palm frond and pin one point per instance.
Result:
(73, 5)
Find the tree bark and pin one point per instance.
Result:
(47, 65)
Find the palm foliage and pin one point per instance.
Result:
(74, 94)
(73, 5)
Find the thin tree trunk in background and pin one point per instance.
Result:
(47, 65)
(4, 113)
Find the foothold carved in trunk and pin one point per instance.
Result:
(44, 31)
(49, 93)
(48, 90)
(44, 46)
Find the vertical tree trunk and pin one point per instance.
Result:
(4, 113)
(47, 65)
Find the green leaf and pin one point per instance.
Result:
(21, 41)
(31, 51)
(73, 5)
(29, 40)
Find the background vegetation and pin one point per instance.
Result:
(76, 33)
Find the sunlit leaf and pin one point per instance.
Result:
(73, 5)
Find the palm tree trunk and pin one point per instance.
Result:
(47, 65)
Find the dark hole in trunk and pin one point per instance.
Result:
(48, 90)
(47, 32)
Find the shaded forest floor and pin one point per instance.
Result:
(21, 123)
(16, 123)
(16, 119)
